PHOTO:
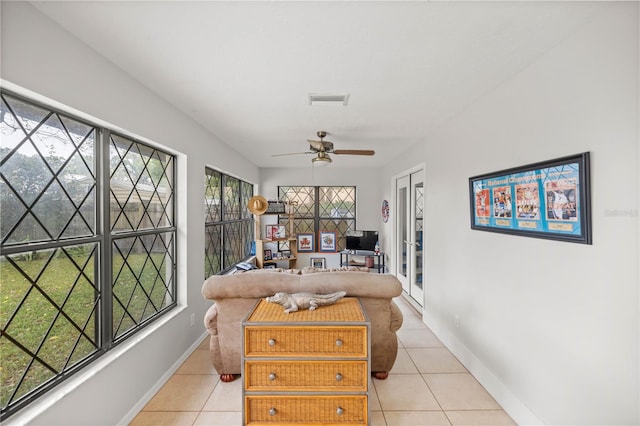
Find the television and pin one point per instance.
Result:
(362, 241)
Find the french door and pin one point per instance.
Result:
(409, 234)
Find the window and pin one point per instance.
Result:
(321, 208)
(87, 251)
(228, 224)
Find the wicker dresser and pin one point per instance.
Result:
(306, 367)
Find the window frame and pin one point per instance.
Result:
(101, 238)
(243, 220)
(317, 218)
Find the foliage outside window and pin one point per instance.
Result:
(321, 208)
(228, 223)
(87, 244)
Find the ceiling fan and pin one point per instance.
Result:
(323, 148)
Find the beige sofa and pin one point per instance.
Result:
(234, 296)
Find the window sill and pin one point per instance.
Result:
(41, 405)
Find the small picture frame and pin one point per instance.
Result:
(327, 241)
(318, 262)
(275, 232)
(286, 254)
(305, 242)
(278, 232)
(268, 254)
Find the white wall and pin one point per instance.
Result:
(550, 328)
(40, 57)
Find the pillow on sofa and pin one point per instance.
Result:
(272, 270)
(312, 269)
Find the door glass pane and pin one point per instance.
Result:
(402, 228)
(418, 196)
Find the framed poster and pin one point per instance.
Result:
(305, 243)
(550, 199)
(327, 241)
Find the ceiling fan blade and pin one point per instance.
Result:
(293, 153)
(354, 152)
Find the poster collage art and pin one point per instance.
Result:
(547, 200)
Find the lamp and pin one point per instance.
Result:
(322, 160)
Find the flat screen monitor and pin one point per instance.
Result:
(362, 241)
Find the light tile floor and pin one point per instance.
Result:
(427, 386)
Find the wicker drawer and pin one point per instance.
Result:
(314, 376)
(309, 341)
(307, 410)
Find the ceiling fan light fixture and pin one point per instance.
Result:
(321, 161)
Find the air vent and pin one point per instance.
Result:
(316, 99)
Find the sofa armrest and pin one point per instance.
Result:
(211, 320)
(396, 317)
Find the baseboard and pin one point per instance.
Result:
(161, 382)
(517, 410)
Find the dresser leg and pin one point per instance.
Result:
(380, 375)
(228, 377)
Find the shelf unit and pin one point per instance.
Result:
(378, 260)
(292, 261)
(260, 247)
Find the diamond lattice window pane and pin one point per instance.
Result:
(142, 279)
(19, 119)
(231, 198)
(213, 250)
(337, 201)
(46, 328)
(141, 186)
(213, 195)
(247, 193)
(233, 245)
(302, 198)
(26, 173)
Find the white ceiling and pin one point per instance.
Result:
(244, 70)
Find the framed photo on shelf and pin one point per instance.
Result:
(305, 243)
(318, 262)
(278, 232)
(275, 232)
(327, 241)
(286, 254)
(268, 254)
(549, 199)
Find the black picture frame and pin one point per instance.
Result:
(548, 199)
(268, 254)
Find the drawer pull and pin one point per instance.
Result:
(338, 377)
(272, 411)
(272, 342)
(338, 342)
(272, 376)
(339, 411)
